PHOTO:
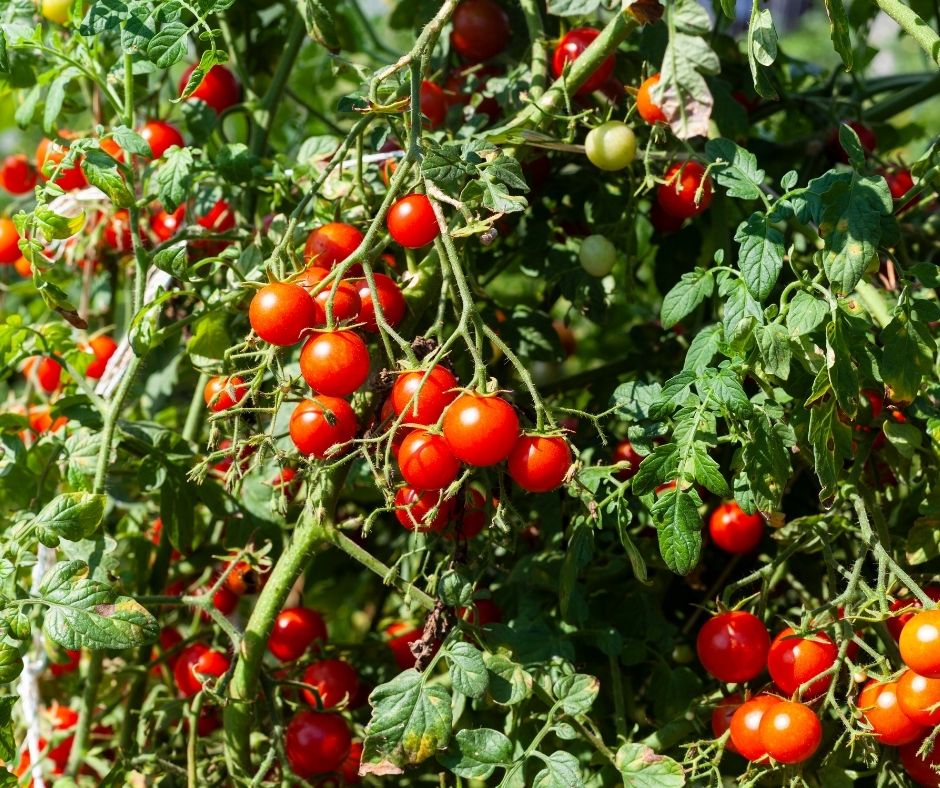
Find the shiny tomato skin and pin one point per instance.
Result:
(919, 698)
(790, 731)
(391, 300)
(411, 221)
(9, 242)
(23, 267)
(878, 702)
(280, 313)
(794, 660)
(905, 608)
(331, 243)
(187, 682)
(745, 727)
(920, 644)
(295, 630)
(17, 175)
(413, 507)
(316, 742)
(649, 111)
(335, 363)
(335, 682)
(224, 600)
(103, 347)
(624, 452)
(52, 153)
(73, 657)
(539, 463)
(733, 646)
(161, 136)
(311, 429)
(219, 88)
(45, 371)
(346, 300)
(222, 393)
(481, 430)
(922, 770)
(480, 30)
(118, 235)
(721, 717)
(570, 48)
(165, 225)
(426, 462)
(677, 195)
(433, 104)
(735, 531)
(421, 396)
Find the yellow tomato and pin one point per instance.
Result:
(55, 10)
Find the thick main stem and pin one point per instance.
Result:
(912, 24)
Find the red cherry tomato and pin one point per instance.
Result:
(905, 609)
(791, 732)
(649, 111)
(426, 462)
(481, 30)
(919, 698)
(48, 155)
(793, 660)
(401, 636)
(23, 267)
(677, 195)
(920, 644)
(733, 530)
(413, 507)
(570, 48)
(346, 301)
(219, 88)
(316, 743)
(161, 136)
(280, 313)
(17, 175)
(878, 703)
(350, 768)
(117, 232)
(335, 682)
(733, 646)
(922, 770)
(330, 244)
(539, 463)
(45, 371)
(194, 664)
(9, 242)
(335, 363)
(103, 347)
(481, 430)
(242, 578)
(624, 452)
(900, 182)
(481, 612)
(411, 221)
(721, 717)
(745, 727)
(166, 225)
(433, 105)
(71, 662)
(295, 630)
(391, 301)
(224, 600)
(320, 424)
(423, 397)
(222, 393)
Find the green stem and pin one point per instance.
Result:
(903, 100)
(110, 423)
(92, 680)
(912, 24)
(194, 414)
(539, 62)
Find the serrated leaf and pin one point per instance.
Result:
(773, 341)
(906, 438)
(577, 693)
(8, 744)
(839, 31)
(735, 168)
(707, 472)
(641, 767)
(480, 752)
(104, 172)
(173, 259)
(728, 392)
(634, 399)
(168, 45)
(467, 669)
(572, 7)
(842, 374)
(832, 444)
(660, 466)
(70, 516)
(562, 770)
(173, 178)
(691, 289)
(767, 461)
(131, 142)
(702, 348)
(909, 350)
(679, 527)
(11, 663)
(320, 24)
(509, 682)
(761, 49)
(761, 255)
(805, 313)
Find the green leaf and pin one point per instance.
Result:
(842, 374)
(211, 337)
(11, 663)
(131, 142)
(168, 45)
(761, 255)
(773, 341)
(707, 472)
(761, 49)
(467, 669)
(735, 168)
(84, 613)
(4, 58)
(660, 466)
(923, 541)
(703, 348)
(71, 516)
(577, 693)
(320, 24)
(410, 722)
(727, 390)
(693, 288)
(174, 260)
(839, 31)
(455, 589)
(174, 177)
(679, 527)
(54, 226)
(805, 313)
(562, 770)
(572, 7)
(634, 399)
(909, 350)
(767, 461)
(103, 15)
(906, 438)
(641, 767)
(105, 173)
(741, 311)
(832, 444)
(55, 97)
(235, 163)
(509, 682)
(577, 556)
(480, 752)
(8, 745)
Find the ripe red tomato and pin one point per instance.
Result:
(166, 225)
(224, 600)
(71, 663)
(194, 664)
(45, 371)
(17, 175)
(295, 630)
(413, 507)
(539, 463)
(433, 104)
(334, 680)
(677, 195)
(745, 727)
(401, 636)
(219, 88)
(9, 242)
(346, 301)
(570, 48)
(220, 219)
(624, 452)
(792, 661)
(49, 154)
(103, 347)
(900, 181)
(331, 243)
(721, 717)
(922, 770)
(280, 313)
(161, 136)
(117, 232)
(481, 30)
(411, 221)
(481, 612)
(733, 646)
(318, 425)
(649, 111)
(350, 768)
(23, 267)
(920, 644)
(316, 743)
(426, 462)
(481, 430)
(242, 578)
(423, 397)
(733, 530)
(222, 393)
(391, 301)
(791, 732)
(878, 703)
(910, 607)
(919, 698)
(335, 363)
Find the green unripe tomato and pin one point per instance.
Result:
(597, 255)
(611, 146)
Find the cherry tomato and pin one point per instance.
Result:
(320, 424)
(413, 507)
(481, 430)
(745, 727)
(335, 682)
(55, 10)
(335, 363)
(421, 396)
(9, 242)
(481, 612)
(219, 88)
(103, 347)
(900, 181)
(194, 664)
(280, 313)
(721, 717)
(17, 175)
(433, 105)
(222, 467)
(224, 600)
(346, 301)
(611, 146)
(23, 267)
(426, 461)
(878, 703)
(481, 30)
(73, 657)
(791, 732)
(733, 530)
(597, 256)
(401, 636)
(391, 301)
(45, 371)
(920, 644)
(650, 112)
(793, 660)
(242, 578)
(624, 452)
(663, 222)
(166, 225)
(570, 48)
(220, 219)
(733, 646)
(922, 770)
(222, 393)
(677, 195)
(48, 156)
(866, 137)
(919, 698)
(910, 607)
(117, 232)
(161, 136)
(411, 221)
(350, 768)
(539, 463)
(330, 244)
(316, 743)
(295, 630)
